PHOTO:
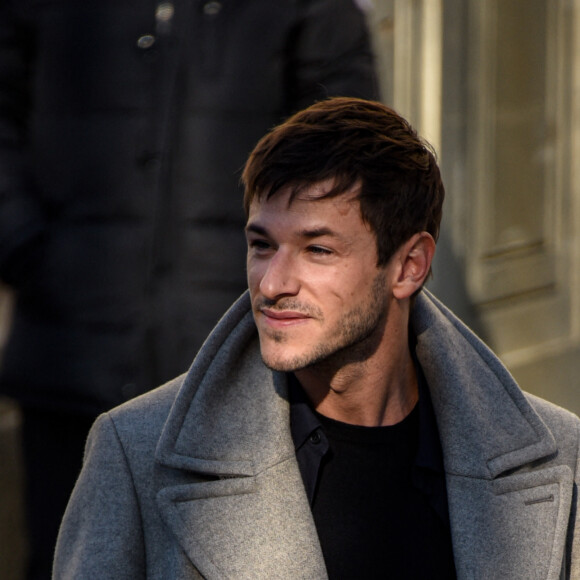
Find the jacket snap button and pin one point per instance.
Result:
(146, 41)
(164, 12)
(315, 438)
(212, 8)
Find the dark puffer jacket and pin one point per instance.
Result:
(123, 128)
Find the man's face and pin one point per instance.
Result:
(317, 293)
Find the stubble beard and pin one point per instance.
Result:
(354, 338)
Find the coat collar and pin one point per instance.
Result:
(216, 427)
(468, 385)
(229, 428)
(509, 505)
(231, 415)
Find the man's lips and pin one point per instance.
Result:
(283, 317)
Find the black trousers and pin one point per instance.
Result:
(53, 445)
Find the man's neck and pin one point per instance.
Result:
(370, 393)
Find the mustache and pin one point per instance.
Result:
(283, 304)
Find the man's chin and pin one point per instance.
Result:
(278, 365)
(283, 364)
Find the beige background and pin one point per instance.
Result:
(495, 87)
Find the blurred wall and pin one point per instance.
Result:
(495, 87)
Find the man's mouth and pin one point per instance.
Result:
(282, 318)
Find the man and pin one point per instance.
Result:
(123, 128)
(339, 421)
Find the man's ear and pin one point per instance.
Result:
(413, 261)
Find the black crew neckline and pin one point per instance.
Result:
(340, 430)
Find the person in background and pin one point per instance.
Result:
(123, 130)
(339, 422)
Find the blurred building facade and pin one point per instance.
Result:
(495, 87)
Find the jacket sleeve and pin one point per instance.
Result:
(101, 535)
(21, 220)
(331, 54)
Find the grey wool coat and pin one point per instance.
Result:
(199, 479)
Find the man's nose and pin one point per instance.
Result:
(280, 277)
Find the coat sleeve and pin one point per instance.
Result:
(331, 54)
(101, 535)
(573, 543)
(21, 219)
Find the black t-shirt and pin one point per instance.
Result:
(372, 521)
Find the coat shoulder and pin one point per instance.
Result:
(554, 414)
(563, 424)
(145, 416)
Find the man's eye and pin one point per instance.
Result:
(319, 251)
(259, 244)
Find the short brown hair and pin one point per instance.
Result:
(354, 141)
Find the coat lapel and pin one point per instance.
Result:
(255, 527)
(237, 503)
(509, 515)
(514, 527)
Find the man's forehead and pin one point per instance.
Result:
(309, 214)
(322, 191)
(303, 210)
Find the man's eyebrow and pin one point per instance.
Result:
(318, 232)
(256, 229)
(310, 233)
